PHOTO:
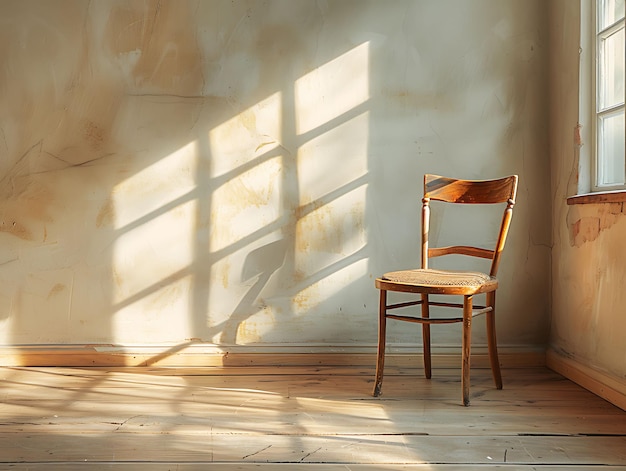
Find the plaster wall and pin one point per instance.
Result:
(239, 172)
(588, 259)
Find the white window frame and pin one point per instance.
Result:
(595, 38)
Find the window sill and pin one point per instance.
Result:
(616, 196)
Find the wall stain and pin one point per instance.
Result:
(324, 228)
(56, 289)
(224, 272)
(248, 332)
(106, 215)
(156, 39)
(299, 276)
(306, 299)
(163, 298)
(25, 206)
(94, 135)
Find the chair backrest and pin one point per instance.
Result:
(450, 190)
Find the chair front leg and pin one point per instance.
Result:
(467, 347)
(382, 332)
(426, 336)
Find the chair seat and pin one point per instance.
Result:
(439, 281)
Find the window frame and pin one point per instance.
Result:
(596, 34)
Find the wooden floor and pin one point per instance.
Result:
(314, 418)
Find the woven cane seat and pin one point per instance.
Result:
(440, 278)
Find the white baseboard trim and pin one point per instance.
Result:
(207, 355)
(598, 382)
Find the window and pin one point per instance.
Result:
(610, 160)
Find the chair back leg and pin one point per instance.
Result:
(491, 340)
(382, 333)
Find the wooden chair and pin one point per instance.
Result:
(426, 281)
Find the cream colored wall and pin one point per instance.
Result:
(589, 257)
(239, 172)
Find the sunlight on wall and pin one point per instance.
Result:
(246, 204)
(332, 89)
(333, 159)
(148, 192)
(247, 136)
(155, 216)
(332, 176)
(246, 209)
(248, 199)
(332, 283)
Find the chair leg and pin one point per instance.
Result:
(491, 340)
(467, 346)
(382, 332)
(426, 336)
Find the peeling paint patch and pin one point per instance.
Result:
(578, 140)
(616, 208)
(16, 229)
(584, 229)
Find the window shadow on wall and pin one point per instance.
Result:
(238, 214)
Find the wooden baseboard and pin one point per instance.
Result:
(202, 356)
(598, 382)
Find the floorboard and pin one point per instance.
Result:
(296, 418)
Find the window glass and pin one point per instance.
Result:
(611, 168)
(612, 69)
(610, 12)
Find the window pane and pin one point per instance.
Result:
(611, 164)
(610, 11)
(611, 79)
